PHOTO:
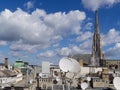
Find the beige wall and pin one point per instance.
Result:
(87, 70)
(100, 83)
(113, 62)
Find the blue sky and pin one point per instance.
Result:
(37, 30)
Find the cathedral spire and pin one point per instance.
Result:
(97, 55)
(96, 22)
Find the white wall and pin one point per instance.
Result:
(86, 70)
(45, 67)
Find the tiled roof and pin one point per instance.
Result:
(7, 73)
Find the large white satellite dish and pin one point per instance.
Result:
(76, 65)
(69, 65)
(84, 85)
(116, 83)
(65, 65)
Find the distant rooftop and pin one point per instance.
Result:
(7, 73)
(2, 64)
(85, 57)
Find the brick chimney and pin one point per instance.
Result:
(6, 63)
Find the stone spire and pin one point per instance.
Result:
(96, 22)
(97, 55)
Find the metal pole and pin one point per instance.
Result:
(68, 86)
(63, 83)
(63, 86)
(27, 77)
(52, 86)
(12, 87)
(37, 77)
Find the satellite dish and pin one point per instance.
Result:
(116, 83)
(65, 64)
(76, 65)
(40, 74)
(69, 65)
(114, 75)
(2, 87)
(55, 82)
(88, 79)
(55, 74)
(57, 78)
(84, 85)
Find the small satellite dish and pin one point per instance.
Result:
(2, 87)
(88, 79)
(55, 82)
(40, 74)
(116, 83)
(55, 74)
(57, 78)
(84, 85)
(114, 75)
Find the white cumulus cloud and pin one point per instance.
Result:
(38, 30)
(96, 4)
(29, 4)
(113, 52)
(84, 36)
(113, 36)
(65, 51)
(3, 43)
(111, 41)
(47, 54)
(27, 33)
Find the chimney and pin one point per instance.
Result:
(80, 61)
(6, 63)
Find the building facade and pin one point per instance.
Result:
(113, 64)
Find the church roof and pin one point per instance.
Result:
(85, 57)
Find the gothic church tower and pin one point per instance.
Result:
(97, 55)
